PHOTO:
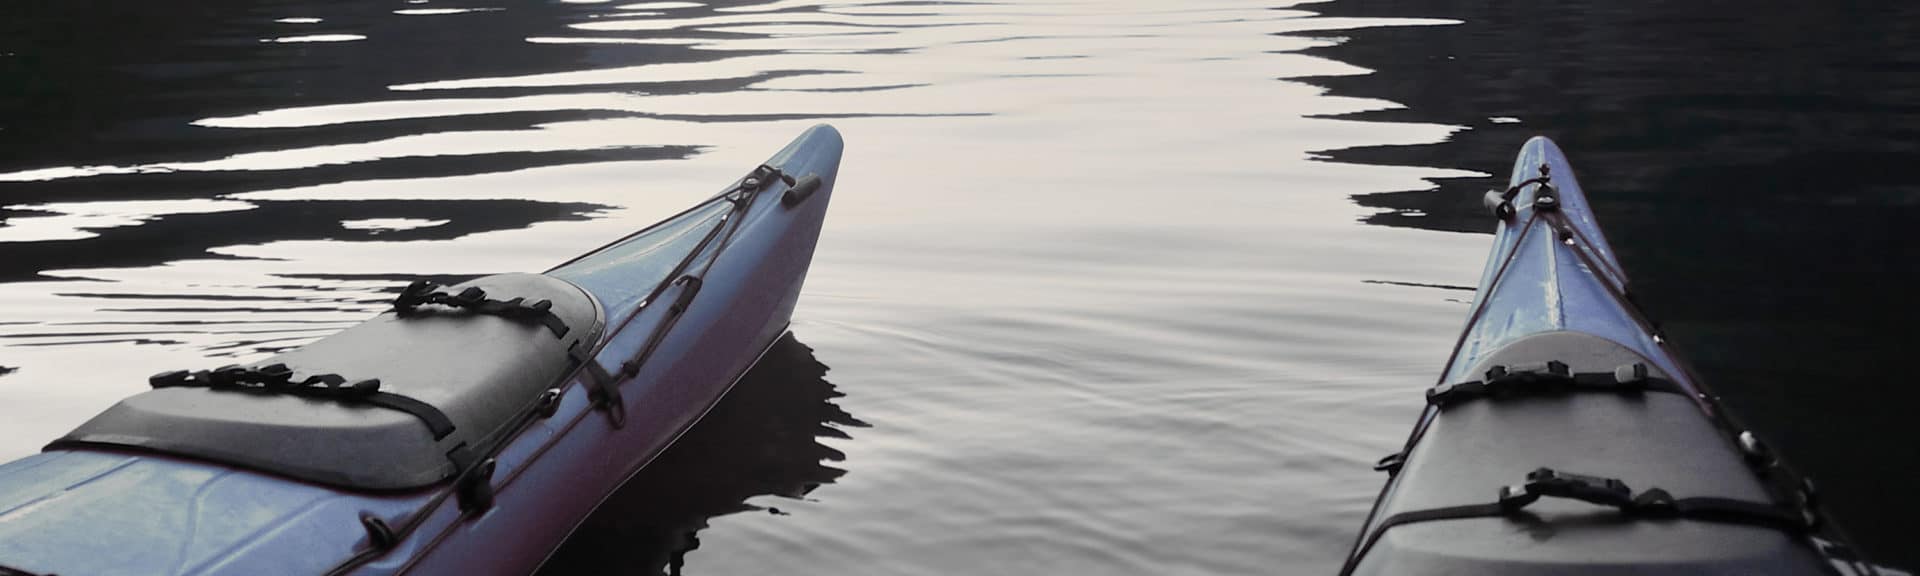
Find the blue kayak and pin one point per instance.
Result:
(467, 431)
(1565, 436)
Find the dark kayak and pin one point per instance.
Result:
(1565, 436)
(467, 431)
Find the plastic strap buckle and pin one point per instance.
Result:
(414, 295)
(1551, 371)
(1549, 482)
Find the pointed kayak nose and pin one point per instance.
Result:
(624, 274)
(1541, 169)
(816, 151)
(1550, 267)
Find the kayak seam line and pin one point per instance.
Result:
(35, 464)
(1553, 295)
(69, 488)
(193, 520)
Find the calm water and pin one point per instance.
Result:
(1116, 287)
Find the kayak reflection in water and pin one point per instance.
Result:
(761, 439)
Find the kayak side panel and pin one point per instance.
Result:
(105, 513)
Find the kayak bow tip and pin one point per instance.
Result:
(816, 151)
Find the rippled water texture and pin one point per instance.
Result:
(1096, 296)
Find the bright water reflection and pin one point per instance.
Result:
(1087, 273)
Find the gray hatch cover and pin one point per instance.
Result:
(1650, 440)
(479, 370)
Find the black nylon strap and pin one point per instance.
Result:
(1488, 510)
(1550, 378)
(1732, 511)
(422, 292)
(278, 379)
(1544, 482)
(435, 420)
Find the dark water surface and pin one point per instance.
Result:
(1117, 287)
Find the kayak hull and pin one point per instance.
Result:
(1553, 294)
(100, 510)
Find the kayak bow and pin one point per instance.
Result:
(467, 431)
(1565, 436)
